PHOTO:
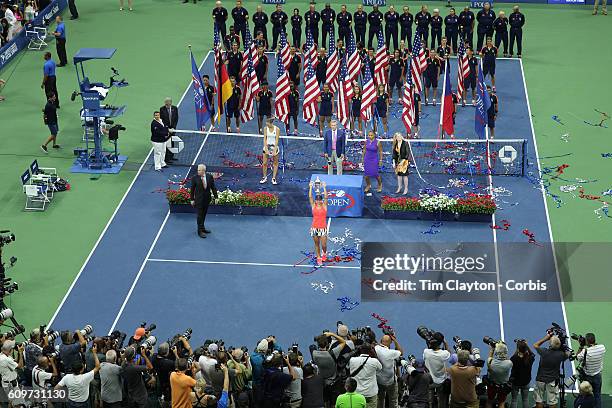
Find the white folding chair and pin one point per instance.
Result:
(43, 176)
(36, 195)
(37, 36)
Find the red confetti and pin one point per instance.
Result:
(588, 196)
(505, 225)
(560, 170)
(531, 235)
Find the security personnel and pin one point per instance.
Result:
(60, 41)
(260, 19)
(375, 19)
(485, 18)
(406, 20)
(517, 21)
(294, 107)
(436, 28)
(451, 23)
(328, 18)
(240, 16)
(391, 27)
(219, 14)
(500, 25)
(466, 23)
(234, 62)
(279, 23)
(422, 20)
(296, 27)
(312, 18)
(360, 18)
(344, 19)
(49, 83)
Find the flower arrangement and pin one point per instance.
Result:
(178, 196)
(470, 204)
(227, 198)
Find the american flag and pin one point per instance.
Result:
(281, 104)
(368, 95)
(311, 94)
(218, 62)
(345, 94)
(333, 64)
(284, 50)
(463, 68)
(354, 60)
(250, 52)
(382, 60)
(418, 63)
(251, 87)
(408, 105)
(310, 53)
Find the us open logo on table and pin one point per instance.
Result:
(340, 199)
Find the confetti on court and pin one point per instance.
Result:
(382, 324)
(557, 119)
(565, 137)
(602, 212)
(432, 229)
(531, 237)
(347, 304)
(325, 286)
(505, 225)
(606, 155)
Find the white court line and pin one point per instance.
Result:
(550, 235)
(111, 218)
(188, 261)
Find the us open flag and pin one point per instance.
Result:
(202, 108)
(483, 103)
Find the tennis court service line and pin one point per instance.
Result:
(281, 265)
(146, 159)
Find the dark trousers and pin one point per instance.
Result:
(481, 38)
(297, 37)
(263, 30)
(223, 33)
(240, 30)
(372, 33)
(424, 33)
(73, 10)
(360, 35)
(452, 37)
(275, 33)
(325, 32)
(406, 35)
(436, 37)
(391, 33)
(502, 37)
(595, 381)
(202, 210)
(51, 87)
(516, 34)
(60, 47)
(314, 31)
(468, 37)
(112, 404)
(344, 34)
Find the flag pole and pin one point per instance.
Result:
(440, 128)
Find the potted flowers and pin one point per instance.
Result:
(228, 202)
(472, 207)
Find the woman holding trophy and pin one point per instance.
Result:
(318, 229)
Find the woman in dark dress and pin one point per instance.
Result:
(382, 105)
(401, 162)
(264, 108)
(296, 28)
(326, 100)
(396, 74)
(356, 109)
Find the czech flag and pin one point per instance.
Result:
(448, 107)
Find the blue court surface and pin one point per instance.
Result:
(241, 284)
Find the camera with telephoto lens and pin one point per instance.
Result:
(556, 330)
(490, 341)
(579, 338)
(363, 335)
(14, 332)
(176, 340)
(149, 329)
(52, 335)
(432, 339)
(149, 343)
(6, 238)
(6, 314)
(117, 339)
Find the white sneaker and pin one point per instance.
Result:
(274, 181)
(263, 180)
(473, 102)
(434, 102)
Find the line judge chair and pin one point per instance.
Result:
(37, 196)
(37, 36)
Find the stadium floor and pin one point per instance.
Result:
(51, 247)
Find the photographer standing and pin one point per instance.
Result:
(33, 350)
(364, 368)
(417, 382)
(240, 363)
(547, 379)
(463, 382)
(499, 367)
(325, 359)
(293, 393)
(164, 364)
(9, 367)
(275, 381)
(350, 399)
(78, 382)
(70, 350)
(522, 361)
(436, 359)
(591, 356)
(41, 377)
(133, 377)
(386, 378)
(181, 384)
(111, 392)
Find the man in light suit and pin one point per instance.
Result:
(169, 115)
(334, 141)
(202, 188)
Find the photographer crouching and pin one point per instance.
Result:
(499, 368)
(591, 357)
(547, 379)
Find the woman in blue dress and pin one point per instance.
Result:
(372, 158)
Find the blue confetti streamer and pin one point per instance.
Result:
(432, 229)
(557, 119)
(347, 304)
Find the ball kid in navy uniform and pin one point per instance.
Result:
(500, 25)
(279, 21)
(356, 109)
(422, 20)
(406, 20)
(492, 112)
(344, 19)
(360, 19)
(436, 28)
(466, 23)
(470, 81)
(321, 68)
(430, 77)
(451, 23)
(312, 18)
(261, 69)
(232, 107)
(234, 62)
(391, 27)
(328, 19)
(296, 28)
(489, 56)
(396, 74)
(240, 16)
(382, 106)
(264, 108)
(294, 107)
(517, 21)
(326, 107)
(295, 66)
(375, 19)
(444, 53)
(260, 21)
(485, 18)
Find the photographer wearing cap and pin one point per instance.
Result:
(416, 382)
(520, 376)
(70, 349)
(9, 367)
(41, 377)
(33, 350)
(275, 381)
(78, 382)
(364, 369)
(181, 384)
(499, 367)
(387, 378)
(463, 382)
(240, 363)
(325, 359)
(591, 356)
(547, 380)
(436, 359)
(133, 377)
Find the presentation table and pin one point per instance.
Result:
(344, 195)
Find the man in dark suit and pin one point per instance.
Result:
(334, 141)
(169, 115)
(202, 188)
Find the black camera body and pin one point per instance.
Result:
(432, 339)
(6, 238)
(490, 341)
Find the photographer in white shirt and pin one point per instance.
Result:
(364, 369)
(387, 377)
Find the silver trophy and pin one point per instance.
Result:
(317, 185)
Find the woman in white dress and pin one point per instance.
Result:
(271, 136)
